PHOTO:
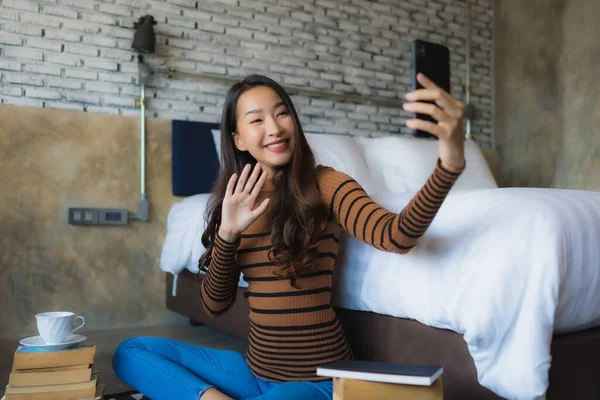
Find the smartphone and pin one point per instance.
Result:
(433, 61)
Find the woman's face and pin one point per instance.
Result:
(265, 128)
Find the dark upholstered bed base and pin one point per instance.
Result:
(573, 375)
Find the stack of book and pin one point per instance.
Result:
(65, 374)
(354, 380)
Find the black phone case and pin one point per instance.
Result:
(433, 61)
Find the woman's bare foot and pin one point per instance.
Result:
(214, 394)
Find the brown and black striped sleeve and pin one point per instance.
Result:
(218, 288)
(366, 220)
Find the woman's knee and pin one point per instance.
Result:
(127, 347)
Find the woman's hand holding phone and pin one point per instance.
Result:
(238, 210)
(448, 112)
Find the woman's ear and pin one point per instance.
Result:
(239, 143)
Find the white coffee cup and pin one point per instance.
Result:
(54, 327)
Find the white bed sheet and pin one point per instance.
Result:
(504, 267)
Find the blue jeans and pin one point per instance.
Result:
(164, 369)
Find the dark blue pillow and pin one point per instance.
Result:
(195, 162)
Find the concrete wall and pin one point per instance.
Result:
(547, 85)
(51, 160)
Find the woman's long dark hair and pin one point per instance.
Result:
(299, 215)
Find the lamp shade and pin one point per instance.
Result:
(144, 39)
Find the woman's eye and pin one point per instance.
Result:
(255, 121)
(283, 113)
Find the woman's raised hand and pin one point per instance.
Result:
(237, 212)
(448, 112)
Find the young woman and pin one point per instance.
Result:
(278, 217)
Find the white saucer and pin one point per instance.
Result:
(37, 341)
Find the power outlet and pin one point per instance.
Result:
(83, 216)
(97, 216)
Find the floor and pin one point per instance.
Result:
(108, 340)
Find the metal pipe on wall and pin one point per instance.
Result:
(142, 213)
(468, 104)
(143, 140)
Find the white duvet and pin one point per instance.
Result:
(505, 267)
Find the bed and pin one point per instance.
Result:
(403, 309)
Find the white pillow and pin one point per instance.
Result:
(342, 153)
(404, 163)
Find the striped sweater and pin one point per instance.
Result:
(292, 331)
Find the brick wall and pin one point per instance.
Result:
(76, 54)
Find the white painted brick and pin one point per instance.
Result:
(64, 83)
(190, 3)
(185, 23)
(25, 79)
(117, 77)
(11, 91)
(226, 60)
(64, 59)
(45, 68)
(60, 11)
(42, 94)
(38, 19)
(241, 32)
(64, 106)
(199, 56)
(196, 15)
(103, 110)
(63, 35)
(22, 101)
(114, 9)
(99, 40)
(102, 87)
(121, 55)
(22, 28)
(291, 23)
(118, 33)
(303, 35)
(162, 95)
(80, 73)
(206, 26)
(346, 46)
(84, 26)
(243, 53)
(183, 43)
(181, 106)
(254, 26)
(129, 67)
(278, 30)
(211, 69)
(100, 63)
(8, 14)
(72, 48)
(25, 53)
(305, 54)
(168, 9)
(82, 97)
(11, 39)
(348, 9)
(45, 44)
(10, 65)
(21, 5)
(85, 4)
(97, 18)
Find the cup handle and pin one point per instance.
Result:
(82, 323)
